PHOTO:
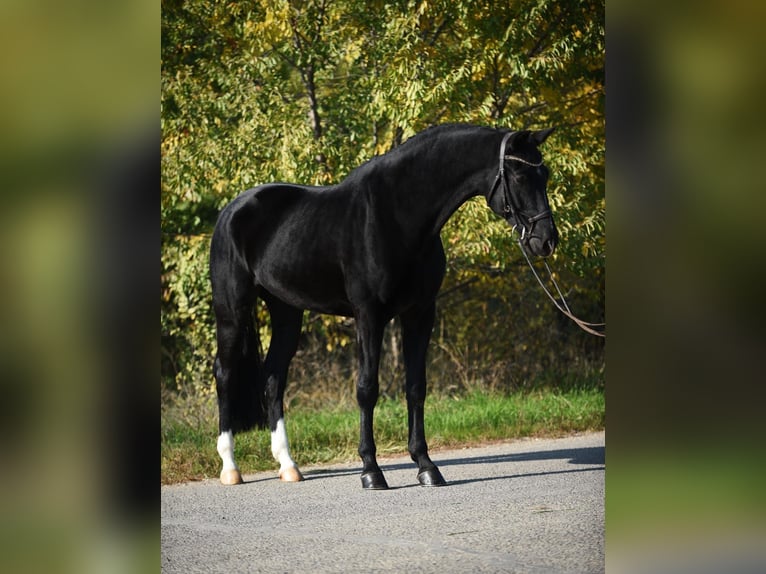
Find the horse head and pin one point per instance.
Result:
(524, 202)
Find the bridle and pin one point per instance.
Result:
(510, 209)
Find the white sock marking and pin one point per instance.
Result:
(226, 450)
(279, 446)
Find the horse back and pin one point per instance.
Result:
(329, 249)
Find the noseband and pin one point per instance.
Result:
(509, 207)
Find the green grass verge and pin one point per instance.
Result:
(331, 435)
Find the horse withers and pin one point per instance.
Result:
(367, 248)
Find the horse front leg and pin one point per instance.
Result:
(369, 330)
(416, 333)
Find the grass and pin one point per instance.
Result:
(331, 435)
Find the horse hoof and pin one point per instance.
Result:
(374, 481)
(231, 476)
(290, 474)
(431, 477)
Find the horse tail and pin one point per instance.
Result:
(240, 383)
(248, 394)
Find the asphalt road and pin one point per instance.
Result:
(527, 506)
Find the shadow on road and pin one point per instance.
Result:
(585, 455)
(527, 475)
(579, 456)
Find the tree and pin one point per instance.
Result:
(258, 91)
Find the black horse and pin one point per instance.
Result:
(367, 248)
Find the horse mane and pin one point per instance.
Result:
(415, 145)
(436, 132)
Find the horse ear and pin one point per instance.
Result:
(519, 138)
(540, 136)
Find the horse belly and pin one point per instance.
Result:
(307, 286)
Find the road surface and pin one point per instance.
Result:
(527, 506)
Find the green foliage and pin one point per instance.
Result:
(188, 336)
(267, 90)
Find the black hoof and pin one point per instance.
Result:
(431, 477)
(374, 481)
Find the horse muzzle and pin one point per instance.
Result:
(541, 247)
(539, 238)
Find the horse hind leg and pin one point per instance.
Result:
(239, 387)
(286, 327)
(280, 449)
(230, 473)
(225, 375)
(239, 390)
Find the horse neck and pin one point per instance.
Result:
(443, 175)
